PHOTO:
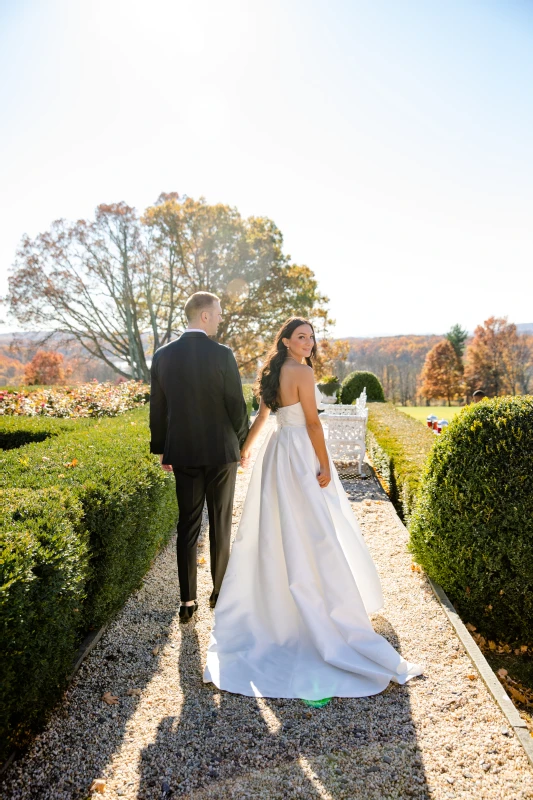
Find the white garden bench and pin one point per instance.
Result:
(346, 430)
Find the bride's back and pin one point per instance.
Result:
(290, 373)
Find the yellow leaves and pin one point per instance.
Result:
(416, 568)
(492, 644)
(472, 677)
(98, 785)
(471, 627)
(518, 692)
(24, 461)
(110, 699)
(73, 463)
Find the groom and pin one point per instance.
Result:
(198, 422)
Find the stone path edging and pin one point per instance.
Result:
(485, 670)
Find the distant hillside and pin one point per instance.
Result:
(525, 327)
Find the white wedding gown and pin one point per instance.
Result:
(292, 615)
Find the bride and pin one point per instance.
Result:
(291, 619)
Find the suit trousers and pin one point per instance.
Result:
(194, 485)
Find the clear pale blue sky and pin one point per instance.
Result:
(390, 140)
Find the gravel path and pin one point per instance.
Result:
(169, 735)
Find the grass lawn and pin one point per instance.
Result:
(421, 413)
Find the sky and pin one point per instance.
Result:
(389, 140)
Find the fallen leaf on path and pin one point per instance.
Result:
(110, 699)
(156, 650)
(134, 692)
(471, 677)
(98, 786)
(201, 560)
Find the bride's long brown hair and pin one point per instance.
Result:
(267, 381)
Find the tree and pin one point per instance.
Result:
(457, 337)
(117, 285)
(331, 353)
(499, 360)
(396, 360)
(442, 373)
(45, 368)
(212, 248)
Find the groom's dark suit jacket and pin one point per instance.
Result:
(198, 415)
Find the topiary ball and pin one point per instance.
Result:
(355, 382)
(472, 528)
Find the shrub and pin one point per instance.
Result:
(94, 496)
(355, 382)
(398, 447)
(18, 431)
(43, 571)
(129, 504)
(472, 529)
(86, 400)
(329, 385)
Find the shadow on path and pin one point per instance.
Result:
(84, 732)
(224, 745)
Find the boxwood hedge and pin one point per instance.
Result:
(43, 574)
(355, 382)
(127, 508)
(398, 447)
(472, 529)
(18, 431)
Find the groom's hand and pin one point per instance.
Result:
(245, 458)
(166, 467)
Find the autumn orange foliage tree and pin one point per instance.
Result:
(11, 370)
(499, 360)
(45, 368)
(396, 360)
(442, 373)
(331, 353)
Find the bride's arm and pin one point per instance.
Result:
(257, 426)
(306, 391)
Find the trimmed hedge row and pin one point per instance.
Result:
(127, 507)
(18, 431)
(472, 529)
(44, 569)
(398, 447)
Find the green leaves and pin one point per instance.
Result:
(473, 523)
(76, 541)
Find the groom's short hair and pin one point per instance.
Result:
(197, 302)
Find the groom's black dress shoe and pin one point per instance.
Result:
(213, 600)
(187, 612)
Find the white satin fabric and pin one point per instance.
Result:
(292, 616)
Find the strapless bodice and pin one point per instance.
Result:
(293, 416)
